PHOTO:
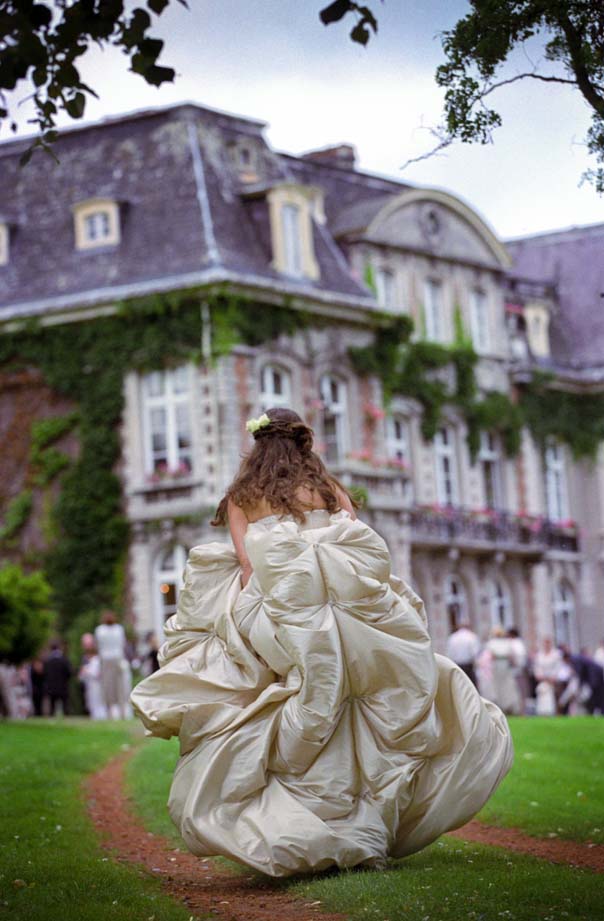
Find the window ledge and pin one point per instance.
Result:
(166, 485)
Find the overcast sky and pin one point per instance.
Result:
(273, 60)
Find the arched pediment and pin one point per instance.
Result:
(433, 221)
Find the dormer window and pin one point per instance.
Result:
(292, 247)
(4, 243)
(292, 209)
(96, 224)
(385, 287)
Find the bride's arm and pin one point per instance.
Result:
(238, 526)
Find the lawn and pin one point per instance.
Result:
(51, 865)
(556, 787)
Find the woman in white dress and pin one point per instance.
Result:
(317, 727)
(504, 689)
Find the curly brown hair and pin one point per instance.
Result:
(280, 463)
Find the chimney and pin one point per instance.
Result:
(343, 155)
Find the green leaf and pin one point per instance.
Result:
(157, 6)
(360, 33)
(335, 11)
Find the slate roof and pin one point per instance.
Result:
(573, 260)
(185, 216)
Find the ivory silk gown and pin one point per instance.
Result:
(317, 727)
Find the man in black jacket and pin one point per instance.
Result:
(57, 672)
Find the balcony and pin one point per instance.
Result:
(490, 531)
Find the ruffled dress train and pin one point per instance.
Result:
(317, 727)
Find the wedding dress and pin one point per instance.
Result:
(316, 725)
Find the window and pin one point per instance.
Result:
(446, 467)
(502, 612)
(564, 613)
(396, 439)
(455, 601)
(479, 320)
(96, 224)
(4, 243)
(490, 464)
(385, 288)
(275, 387)
(290, 217)
(433, 309)
(169, 568)
(167, 421)
(555, 482)
(333, 396)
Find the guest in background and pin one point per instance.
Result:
(504, 691)
(520, 656)
(547, 669)
(90, 677)
(150, 662)
(463, 647)
(591, 680)
(114, 666)
(57, 672)
(36, 682)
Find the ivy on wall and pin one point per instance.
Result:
(418, 369)
(86, 362)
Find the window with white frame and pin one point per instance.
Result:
(479, 320)
(489, 458)
(275, 387)
(433, 310)
(292, 243)
(555, 482)
(168, 572)
(396, 439)
(385, 287)
(333, 397)
(447, 489)
(502, 612)
(564, 613)
(456, 601)
(167, 422)
(96, 223)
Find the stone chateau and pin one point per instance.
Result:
(185, 198)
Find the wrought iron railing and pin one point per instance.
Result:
(447, 524)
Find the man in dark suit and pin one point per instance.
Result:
(590, 674)
(57, 672)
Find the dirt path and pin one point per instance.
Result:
(205, 888)
(573, 853)
(198, 883)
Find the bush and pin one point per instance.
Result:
(25, 616)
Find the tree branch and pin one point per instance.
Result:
(587, 88)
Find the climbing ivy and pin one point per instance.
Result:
(86, 362)
(417, 369)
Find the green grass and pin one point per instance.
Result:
(453, 880)
(149, 775)
(556, 787)
(47, 841)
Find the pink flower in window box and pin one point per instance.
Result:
(373, 412)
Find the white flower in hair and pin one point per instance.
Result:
(252, 425)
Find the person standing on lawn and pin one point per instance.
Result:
(110, 640)
(520, 656)
(57, 672)
(463, 647)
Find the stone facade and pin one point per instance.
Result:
(200, 197)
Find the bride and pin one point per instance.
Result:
(317, 727)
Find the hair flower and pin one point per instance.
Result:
(252, 425)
